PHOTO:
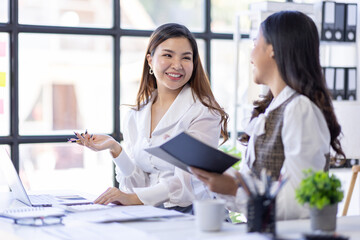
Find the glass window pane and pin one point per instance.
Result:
(73, 13)
(222, 79)
(4, 187)
(4, 85)
(132, 61)
(65, 83)
(149, 14)
(4, 11)
(223, 14)
(201, 48)
(65, 166)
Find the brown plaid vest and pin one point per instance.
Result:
(269, 148)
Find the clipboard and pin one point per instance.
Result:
(184, 151)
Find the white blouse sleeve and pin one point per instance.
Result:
(178, 188)
(306, 140)
(184, 188)
(128, 174)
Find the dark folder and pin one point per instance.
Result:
(340, 84)
(351, 84)
(329, 73)
(339, 22)
(350, 22)
(328, 21)
(184, 150)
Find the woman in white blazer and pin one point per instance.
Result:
(294, 126)
(174, 96)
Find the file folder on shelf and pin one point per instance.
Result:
(350, 22)
(328, 21)
(329, 74)
(351, 84)
(339, 29)
(339, 84)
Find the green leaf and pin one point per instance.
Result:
(319, 189)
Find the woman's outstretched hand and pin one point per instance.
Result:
(114, 195)
(219, 183)
(99, 142)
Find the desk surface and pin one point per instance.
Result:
(169, 229)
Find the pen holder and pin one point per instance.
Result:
(261, 215)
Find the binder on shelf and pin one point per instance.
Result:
(328, 21)
(350, 22)
(339, 29)
(329, 74)
(351, 84)
(339, 92)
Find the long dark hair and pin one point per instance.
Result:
(295, 41)
(199, 82)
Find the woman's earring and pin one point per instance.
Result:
(151, 72)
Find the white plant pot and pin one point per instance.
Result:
(324, 219)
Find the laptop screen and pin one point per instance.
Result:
(12, 178)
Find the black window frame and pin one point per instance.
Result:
(116, 32)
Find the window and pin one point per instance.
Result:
(75, 62)
(148, 14)
(71, 82)
(4, 85)
(71, 13)
(4, 11)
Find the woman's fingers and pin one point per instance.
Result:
(202, 173)
(102, 198)
(84, 139)
(111, 195)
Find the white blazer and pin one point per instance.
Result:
(152, 179)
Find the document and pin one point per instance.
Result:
(184, 150)
(93, 231)
(124, 213)
(244, 236)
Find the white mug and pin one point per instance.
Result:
(210, 214)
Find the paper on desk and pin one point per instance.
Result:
(124, 213)
(8, 236)
(235, 236)
(96, 231)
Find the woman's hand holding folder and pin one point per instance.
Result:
(219, 183)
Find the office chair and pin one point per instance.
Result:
(355, 171)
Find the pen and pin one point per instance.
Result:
(242, 183)
(73, 140)
(264, 180)
(254, 184)
(281, 184)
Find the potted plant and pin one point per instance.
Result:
(322, 193)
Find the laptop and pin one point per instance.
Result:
(17, 188)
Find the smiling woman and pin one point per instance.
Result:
(172, 64)
(174, 96)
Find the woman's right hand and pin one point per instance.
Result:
(99, 142)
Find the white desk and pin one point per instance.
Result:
(172, 229)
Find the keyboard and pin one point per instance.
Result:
(32, 212)
(43, 199)
(86, 207)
